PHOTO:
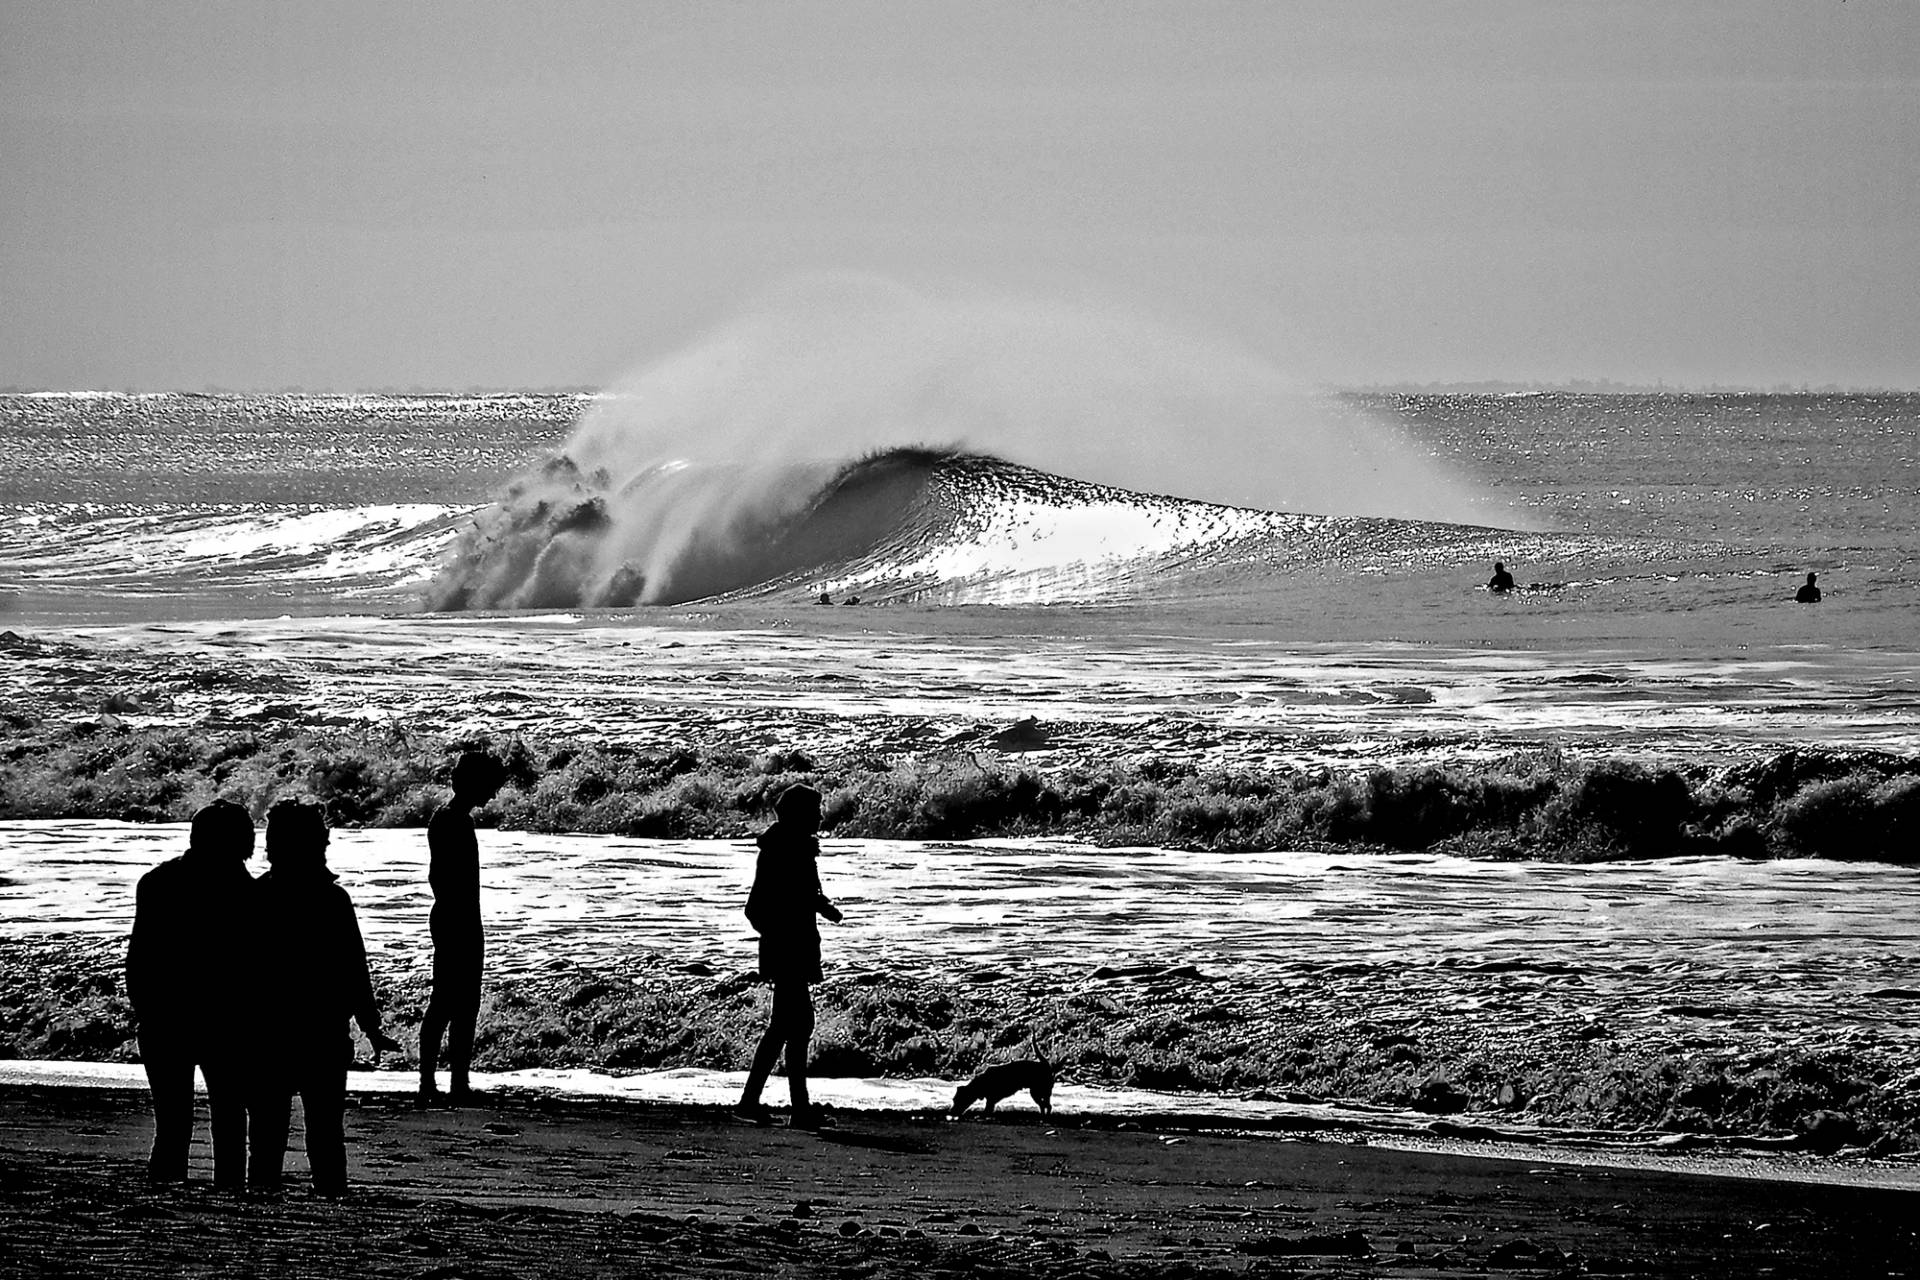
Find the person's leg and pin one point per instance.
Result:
(227, 1100)
(798, 1021)
(170, 1076)
(464, 1013)
(432, 1027)
(271, 1111)
(767, 1053)
(323, 1099)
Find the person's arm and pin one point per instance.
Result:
(822, 904)
(437, 854)
(365, 1006)
(139, 945)
(453, 853)
(757, 914)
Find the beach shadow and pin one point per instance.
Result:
(898, 1143)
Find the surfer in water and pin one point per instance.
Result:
(1501, 580)
(1808, 593)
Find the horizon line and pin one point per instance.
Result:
(1462, 386)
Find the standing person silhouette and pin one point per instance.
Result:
(1809, 593)
(1501, 579)
(314, 978)
(186, 964)
(459, 940)
(785, 899)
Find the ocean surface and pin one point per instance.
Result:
(443, 564)
(1724, 957)
(1658, 540)
(1677, 520)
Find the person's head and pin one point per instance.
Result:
(296, 836)
(798, 806)
(222, 832)
(1498, 567)
(478, 776)
(1811, 577)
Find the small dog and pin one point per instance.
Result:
(1002, 1080)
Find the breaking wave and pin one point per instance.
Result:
(767, 456)
(910, 524)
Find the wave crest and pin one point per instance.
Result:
(684, 531)
(910, 524)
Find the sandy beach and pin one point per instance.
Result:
(533, 1184)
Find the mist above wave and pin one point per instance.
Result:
(729, 461)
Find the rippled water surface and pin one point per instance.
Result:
(1779, 948)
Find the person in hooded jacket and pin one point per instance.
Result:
(315, 979)
(187, 962)
(782, 907)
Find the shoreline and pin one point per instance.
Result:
(1492, 1046)
(533, 1186)
(710, 1094)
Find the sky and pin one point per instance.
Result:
(360, 194)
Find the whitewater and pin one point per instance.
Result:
(415, 569)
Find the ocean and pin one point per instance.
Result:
(426, 565)
(1673, 517)
(1657, 540)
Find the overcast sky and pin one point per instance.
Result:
(362, 193)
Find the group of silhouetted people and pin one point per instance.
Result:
(254, 981)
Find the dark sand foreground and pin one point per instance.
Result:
(542, 1186)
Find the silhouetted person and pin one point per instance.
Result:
(1808, 592)
(187, 962)
(314, 977)
(785, 899)
(1501, 579)
(459, 943)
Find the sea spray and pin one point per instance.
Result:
(708, 464)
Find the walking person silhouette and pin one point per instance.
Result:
(459, 939)
(314, 978)
(786, 898)
(187, 958)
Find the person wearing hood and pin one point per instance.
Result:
(782, 907)
(187, 962)
(315, 978)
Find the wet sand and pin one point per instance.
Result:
(533, 1185)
